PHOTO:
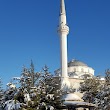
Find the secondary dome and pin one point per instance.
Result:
(76, 63)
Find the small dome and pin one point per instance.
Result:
(72, 97)
(76, 63)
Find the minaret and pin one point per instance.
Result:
(63, 31)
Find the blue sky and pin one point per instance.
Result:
(28, 30)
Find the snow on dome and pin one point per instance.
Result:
(72, 97)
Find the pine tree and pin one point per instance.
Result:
(103, 98)
(90, 87)
(52, 87)
(42, 88)
(32, 74)
(48, 91)
(36, 91)
(29, 78)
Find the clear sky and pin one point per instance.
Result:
(28, 30)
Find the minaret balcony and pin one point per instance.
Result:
(63, 29)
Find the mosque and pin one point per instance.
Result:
(71, 73)
(77, 71)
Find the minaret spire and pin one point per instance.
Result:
(63, 31)
(62, 7)
(62, 13)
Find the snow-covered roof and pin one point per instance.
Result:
(80, 104)
(72, 97)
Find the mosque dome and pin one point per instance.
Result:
(77, 69)
(76, 63)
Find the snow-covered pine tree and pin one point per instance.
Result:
(10, 102)
(33, 74)
(15, 97)
(28, 86)
(35, 91)
(90, 87)
(48, 92)
(38, 90)
(52, 89)
(29, 78)
(103, 97)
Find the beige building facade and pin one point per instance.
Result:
(77, 70)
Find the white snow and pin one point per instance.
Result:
(72, 97)
(11, 104)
